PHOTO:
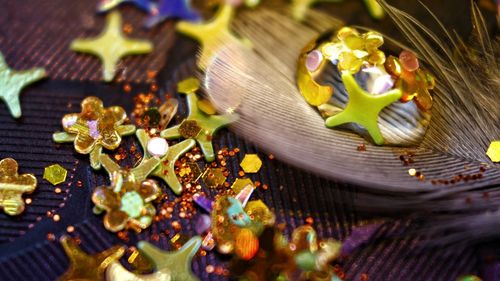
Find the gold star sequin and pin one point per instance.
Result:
(12, 187)
(251, 163)
(85, 267)
(12, 82)
(110, 46)
(213, 35)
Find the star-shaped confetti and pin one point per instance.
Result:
(198, 125)
(110, 46)
(12, 187)
(107, 5)
(363, 108)
(300, 8)
(494, 151)
(85, 267)
(166, 169)
(172, 9)
(212, 35)
(93, 128)
(116, 272)
(178, 263)
(140, 173)
(12, 82)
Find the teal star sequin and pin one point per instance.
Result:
(179, 262)
(12, 82)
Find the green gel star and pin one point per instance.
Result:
(12, 82)
(178, 263)
(166, 169)
(110, 46)
(363, 108)
(209, 124)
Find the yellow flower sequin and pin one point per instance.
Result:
(12, 187)
(413, 84)
(94, 128)
(356, 49)
(127, 202)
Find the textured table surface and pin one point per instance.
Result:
(37, 33)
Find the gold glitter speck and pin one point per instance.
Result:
(251, 163)
(55, 174)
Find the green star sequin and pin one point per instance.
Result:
(179, 262)
(12, 82)
(85, 267)
(212, 35)
(110, 46)
(363, 108)
(208, 124)
(166, 169)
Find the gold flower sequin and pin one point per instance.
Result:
(414, 82)
(355, 50)
(127, 201)
(12, 187)
(93, 128)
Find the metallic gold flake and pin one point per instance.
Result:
(209, 124)
(213, 177)
(87, 267)
(110, 46)
(55, 174)
(178, 262)
(239, 184)
(363, 108)
(12, 187)
(494, 151)
(251, 163)
(12, 82)
(189, 129)
(258, 211)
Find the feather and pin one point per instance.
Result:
(260, 85)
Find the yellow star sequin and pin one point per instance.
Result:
(213, 35)
(198, 125)
(12, 82)
(300, 8)
(85, 267)
(178, 262)
(12, 187)
(494, 151)
(166, 169)
(110, 46)
(363, 108)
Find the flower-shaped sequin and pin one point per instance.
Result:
(413, 81)
(12, 187)
(127, 202)
(353, 50)
(93, 128)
